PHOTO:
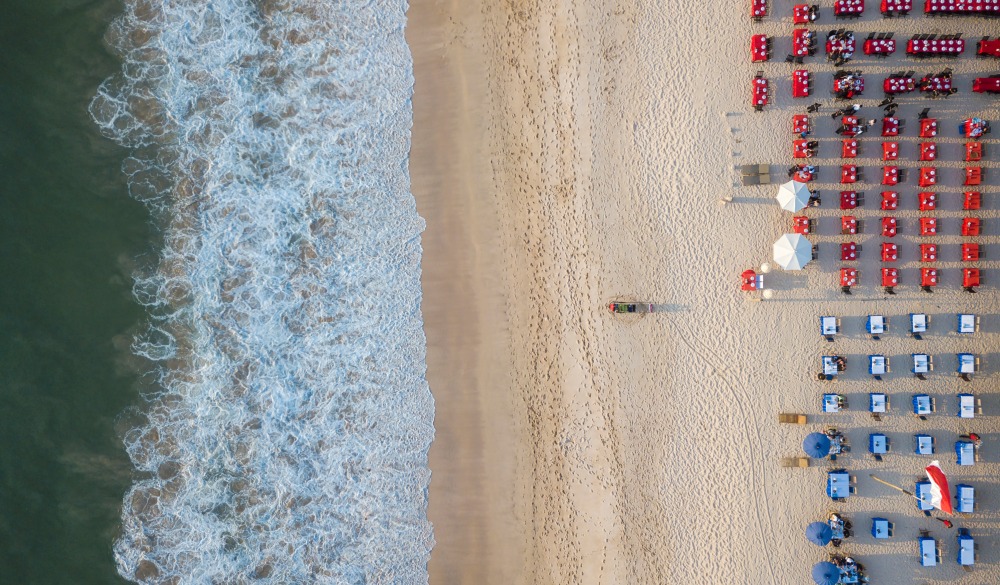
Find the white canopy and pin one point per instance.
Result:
(793, 196)
(792, 252)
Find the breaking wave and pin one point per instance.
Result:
(286, 441)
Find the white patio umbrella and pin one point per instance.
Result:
(793, 196)
(792, 252)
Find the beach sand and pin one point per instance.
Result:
(567, 154)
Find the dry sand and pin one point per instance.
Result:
(569, 153)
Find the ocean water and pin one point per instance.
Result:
(284, 434)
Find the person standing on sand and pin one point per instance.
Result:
(947, 523)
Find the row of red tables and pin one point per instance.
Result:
(848, 7)
(896, 6)
(951, 47)
(971, 226)
(974, 6)
(879, 46)
(928, 176)
(849, 252)
(986, 85)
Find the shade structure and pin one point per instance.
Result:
(819, 533)
(793, 196)
(792, 251)
(816, 445)
(826, 573)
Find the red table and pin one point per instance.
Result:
(848, 199)
(848, 86)
(800, 124)
(890, 277)
(928, 128)
(958, 6)
(801, 38)
(970, 226)
(970, 277)
(948, 48)
(890, 175)
(970, 252)
(888, 227)
(759, 92)
(848, 7)
(928, 252)
(928, 176)
(849, 251)
(890, 126)
(800, 83)
(896, 85)
(845, 45)
(973, 199)
(973, 127)
(851, 126)
(890, 200)
(973, 175)
(800, 150)
(758, 48)
(928, 201)
(928, 277)
(928, 151)
(973, 151)
(900, 6)
(890, 252)
(758, 9)
(986, 85)
(928, 226)
(989, 47)
(800, 225)
(879, 47)
(803, 175)
(935, 83)
(890, 150)
(801, 14)
(848, 174)
(848, 276)
(849, 148)
(848, 225)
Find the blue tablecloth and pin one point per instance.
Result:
(837, 526)
(921, 363)
(878, 444)
(877, 402)
(966, 550)
(880, 528)
(925, 444)
(928, 551)
(875, 324)
(965, 453)
(838, 485)
(828, 325)
(923, 493)
(918, 322)
(966, 406)
(921, 404)
(965, 498)
(966, 363)
(831, 403)
(876, 365)
(966, 323)
(829, 365)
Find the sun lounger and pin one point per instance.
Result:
(790, 418)
(795, 462)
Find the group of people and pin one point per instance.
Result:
(927, 84)
(839, 525)
(840, 41)
(848, 84)
(849, 567)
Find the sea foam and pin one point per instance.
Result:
(287, 439)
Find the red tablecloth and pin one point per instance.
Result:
(848, 7)
(759, 91)
(800, 14)
(928, 226)
(800, 124)
(934, 83)
(799, 149)
(758, 48)
(848, 174)
(800, 225)
(890, 126)
(989, 47)
(800, 41)
(973, 151)
(973, 175)
(890, 276)
(888, 227)
(879, 46)
(970, 226)
(928, 151)
(890, 200)
(928, 128)
(928, 277)
(890, 175)
(970, 252)
(972, 200)
(928, 176)
(894, 85)
(843, 45)
(928, 201)
(803, 175)
(970, 6)
(935, 47)
(890, 150)
(848, 87)
(848, 224)
(928, 252)
(849, 251)
(896, 6)
(970, 277)
(849, 148)
(848, 276)
(890, 252)
(848, 199)
(800, 83)
(986, 85)
(758, 9)
(972, 127)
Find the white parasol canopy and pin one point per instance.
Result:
(793, 196)
(792, 251)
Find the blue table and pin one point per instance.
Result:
(965, 498)
(837, 527)
(922, 404)
(966, 406)
(966, 323)
(831, 403)
(828, 326)
(877, 365)
(829, 365)
(877, 402)
(925, 444)
(880, 528)
(923, 492)
(928, 551)
(921, 363)
(966, 363)
(878, 444)
(838, 485)
(875, 324)
(965, 452)
(966, 549)
(918, 323)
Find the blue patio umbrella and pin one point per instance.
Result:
(825, 573)
(816, 445)
(819, 533)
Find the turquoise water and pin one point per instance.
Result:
(68, 232)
